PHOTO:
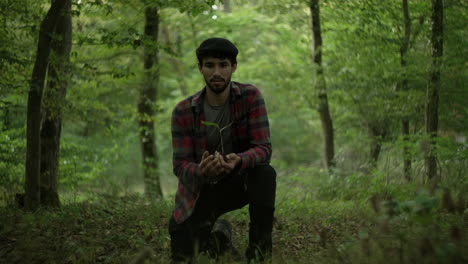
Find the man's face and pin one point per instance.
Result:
(217, 73)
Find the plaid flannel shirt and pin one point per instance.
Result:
(250, 137)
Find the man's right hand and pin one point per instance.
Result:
(210, 166)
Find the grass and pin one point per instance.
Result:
(313, 224)
(105, 231)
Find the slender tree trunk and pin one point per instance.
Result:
(194, 30)
(403, 86)
(178, 43)
(405, 129)
(6, 117)
(432, 106)
(323, 109)
(377, 133)
(227, 6)
(33, 151)
(148, 97)
(54, 95)
(176, 62)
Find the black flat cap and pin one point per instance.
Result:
(217, 46)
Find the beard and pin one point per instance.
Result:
(218, 89)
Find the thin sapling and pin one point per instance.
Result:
(220, 131)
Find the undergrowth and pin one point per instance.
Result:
(319, 219)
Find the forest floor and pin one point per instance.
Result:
(117, 229)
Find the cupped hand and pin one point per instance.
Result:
(231, 162)
(211, 166)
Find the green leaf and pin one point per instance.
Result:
(206, 123)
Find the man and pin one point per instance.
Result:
(221, 167)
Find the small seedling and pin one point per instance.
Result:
(220, 130)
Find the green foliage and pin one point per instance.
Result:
(408, 221)
(453, 162)
(18, 31)
(106, 230)
(12, 149)
(340, 186)
(114, 228)
(320, 217)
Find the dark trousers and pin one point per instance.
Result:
(256, 187)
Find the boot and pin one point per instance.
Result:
(220, 239)
(261, 226)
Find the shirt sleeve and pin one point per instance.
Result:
(183, 159)
(259, 134)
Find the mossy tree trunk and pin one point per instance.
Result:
(54, 96)
(403, 86)
(147, 102)
(321, 87)
(33, 137)
(433, 88)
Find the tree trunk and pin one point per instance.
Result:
(33, 138)
(176, 62)
(432, 115)
(148, 97)
(6, 117)
(406, 152)
(323, 109)
(227, 6)
(377, 133)
(403, 86)
(54, 95)
(194, 30)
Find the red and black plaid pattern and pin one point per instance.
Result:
(250, 137)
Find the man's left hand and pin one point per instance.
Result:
(231, 162)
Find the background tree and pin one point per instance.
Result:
(54, 98)
(433, 88)
(147, 103)
(173, 48)
(33, 153)
(321, 87)
(403, 85)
